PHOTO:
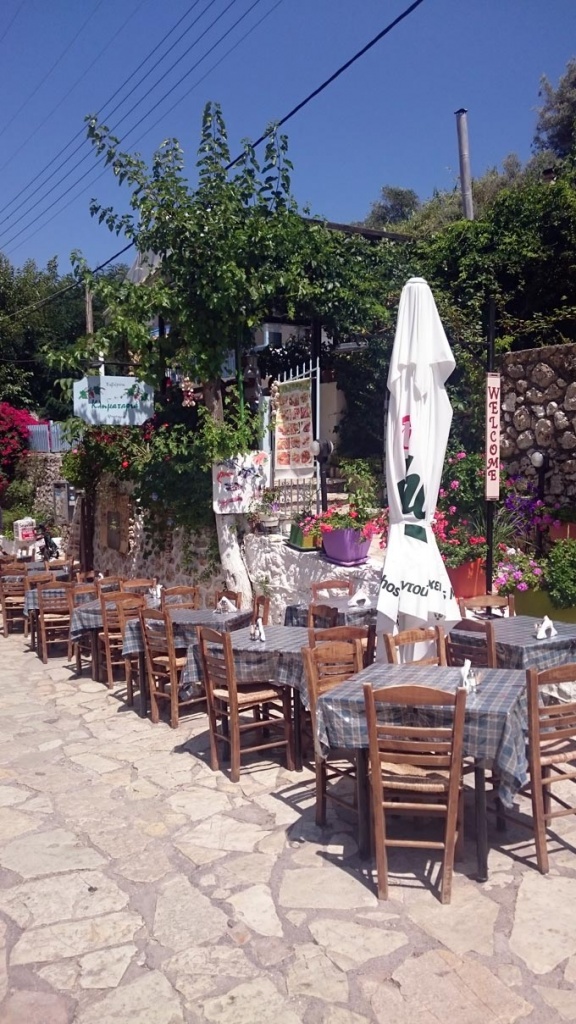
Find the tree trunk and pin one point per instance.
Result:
(231, 557)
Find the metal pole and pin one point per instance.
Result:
(490, 504)
(464, 156)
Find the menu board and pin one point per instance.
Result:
(293, 431)
(239, 482)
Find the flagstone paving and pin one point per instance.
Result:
(139, 887)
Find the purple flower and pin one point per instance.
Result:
(537, 571)
(517, 575)
(522, 586)
(454, 485)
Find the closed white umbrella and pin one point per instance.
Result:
(415, 588)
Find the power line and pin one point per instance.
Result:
(47, 117)
(152, 126)
(53, 67)
(281, 122)
(133, 128)
(12, 20)
(67, 288)
(153, 53)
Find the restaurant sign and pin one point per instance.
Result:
(492, 474)
(116, 401)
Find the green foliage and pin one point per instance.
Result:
(556, 126)
(395, 206)
(561, 573)
(363, 479)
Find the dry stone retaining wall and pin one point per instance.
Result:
(539, 414)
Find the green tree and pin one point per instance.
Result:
(394, 206)
(556, 125)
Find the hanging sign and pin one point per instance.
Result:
(294, 430)
(117, 401)
(239, 482)
(492, 455)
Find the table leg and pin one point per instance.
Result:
(297, 724)
(363, 802)
(143, 680)
(481, 820)
(95, 655)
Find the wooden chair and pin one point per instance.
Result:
(130, 610)
(12, 595)
(261, 609)
(416, 769)
(164, 666)
(140, 586)
(111, 638)
(271, 706)
(408, 637)
(53, 616)
(326, 666)
(486, 603)
(346, 587)
(365, 634)
(322, 616)
(187, 597)
(551, 750)
(86, 577)
(479, 648)
(108, 584)
(233, 596)
(31, 581)
(78, 594)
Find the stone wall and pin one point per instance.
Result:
(539, 414)
(185, 559)
(43, 469)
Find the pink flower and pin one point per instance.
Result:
(454, 485)
(452, 509)
(461, 455)
(442, 493)
(522, 586)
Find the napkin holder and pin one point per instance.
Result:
(360, 600)
(224, 606)
(545, 629)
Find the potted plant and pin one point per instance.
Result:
(265, 513)
(541, 586)
(561, 579)
(563, 526)
(463, 552)
(346, 534)
(300, 540)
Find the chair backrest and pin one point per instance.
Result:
(53, 598)
(129, 610)
(79, 593)
(217, 660)
(139, 586)
(87, 577)
(109, 584)
(234, 597)
(365, 634)
(475, 642)
(261, 609)
(393, 646)
(346, 587)
(10, 587)
(189, 597)
(158, 637)
(110, 604)
(328, 665)
(549, 723)
(33, 579)
(486, 602)
(322, 616)
(396, 736)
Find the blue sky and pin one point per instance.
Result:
(388, 120)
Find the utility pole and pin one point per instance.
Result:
(464, 155)
(89, 313)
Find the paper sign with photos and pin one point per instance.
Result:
(294, 430)
(239, 482)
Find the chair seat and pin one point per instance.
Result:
(56, 619)
(560, 752)
(164, 660)
(413, 777)
(15, 600)
(250, 693)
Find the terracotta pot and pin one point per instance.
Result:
(564, 531)
(468, 579)
(538, 603)
(345, 547)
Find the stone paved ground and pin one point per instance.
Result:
(138, 887)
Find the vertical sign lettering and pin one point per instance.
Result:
(492, 477)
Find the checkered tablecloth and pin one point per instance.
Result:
(277, 660)
(57, 574)
(186, 620)
(84, 618)
(496, 715)
(517, 646)
(297, 614)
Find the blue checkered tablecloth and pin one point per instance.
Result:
(278, 659)
(496, 715)
(297, 614)
(517, 646)
(186, 621)
(31, 599)
(84, 618)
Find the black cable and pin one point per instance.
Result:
(151, 127)
(12, 20)
(52, 68)
(9, 241)
(153, 53)
(86, 156)
(139, 5)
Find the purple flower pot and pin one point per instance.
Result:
(346, 547)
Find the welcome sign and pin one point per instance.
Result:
(116, 401)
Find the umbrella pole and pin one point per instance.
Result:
(490, 504)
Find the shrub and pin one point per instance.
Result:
(14, 425)
(561, 573)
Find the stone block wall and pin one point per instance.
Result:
(539, 414)
(43, 469)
